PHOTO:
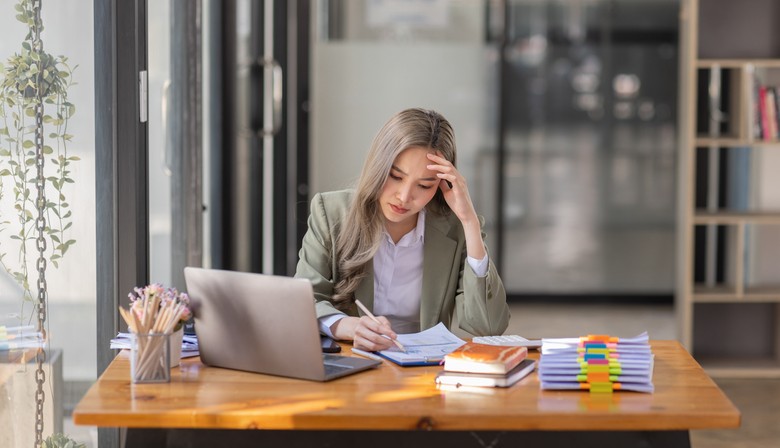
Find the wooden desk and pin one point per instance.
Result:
(396, 398)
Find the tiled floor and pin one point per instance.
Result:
(758, 400)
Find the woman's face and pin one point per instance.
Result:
(409, 187)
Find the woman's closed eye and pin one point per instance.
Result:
(398, 179)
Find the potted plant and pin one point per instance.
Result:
(35, 172)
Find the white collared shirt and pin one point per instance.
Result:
(398, 272)
(398, 275)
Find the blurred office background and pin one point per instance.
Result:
(564, 111)
(565, 118)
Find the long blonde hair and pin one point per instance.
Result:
(361, 230)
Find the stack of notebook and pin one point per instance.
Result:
(597, 363)
(20, 338)
(475, 364)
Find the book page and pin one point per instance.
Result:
(424, 347)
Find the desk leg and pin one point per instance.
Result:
(194, 438)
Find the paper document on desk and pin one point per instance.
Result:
(424, 348)
(189, 344)
(599, 363)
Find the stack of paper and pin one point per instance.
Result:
(20, 337)
(597, 363)
(189, 344)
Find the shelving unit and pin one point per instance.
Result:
(730, 324)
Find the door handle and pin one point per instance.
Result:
(167, 167)
(274, 97)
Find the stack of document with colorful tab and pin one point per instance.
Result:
(598, 363)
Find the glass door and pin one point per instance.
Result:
(245, 156)
(160, 141)
(218, 162)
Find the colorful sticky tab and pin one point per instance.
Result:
(585, 360)
(612, 371)
(600, 338)
(601, 387)
(598, 377)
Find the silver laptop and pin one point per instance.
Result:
(262, 323)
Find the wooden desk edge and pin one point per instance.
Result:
(194, 418)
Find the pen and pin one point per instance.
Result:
(369, 355)
(371, 315)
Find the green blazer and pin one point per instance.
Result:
(448, 281)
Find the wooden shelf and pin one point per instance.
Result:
(729, 294)
(733, 218)
(740, 42)
(738, 63)
(733, 142)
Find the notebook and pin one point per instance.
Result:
(519, 372)
(262, 323)
(482, 358)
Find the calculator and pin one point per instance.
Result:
(508, 340)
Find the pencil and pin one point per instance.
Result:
(371, 315)
(366, 354)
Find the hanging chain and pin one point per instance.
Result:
(40, 225)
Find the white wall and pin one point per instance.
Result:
(360, 81)
(356, 87)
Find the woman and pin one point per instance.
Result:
(406, 242)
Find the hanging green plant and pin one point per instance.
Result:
(22, 76)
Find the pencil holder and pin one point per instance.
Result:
(150, 358)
